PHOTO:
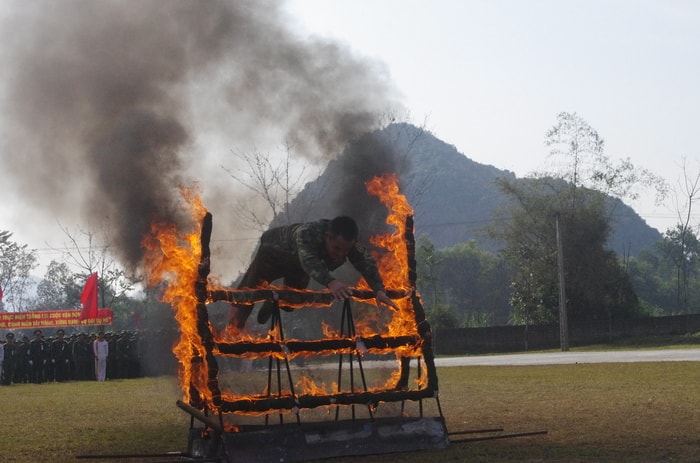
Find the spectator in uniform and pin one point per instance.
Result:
(83, 357)
(112, 357)
(72, 339)
(10, 354)
(59, 356)
(23, 365)
(38, 356)
(124, 346)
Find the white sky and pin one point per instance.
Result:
(490, 76)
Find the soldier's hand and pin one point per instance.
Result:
(382, 298)
(339, 290)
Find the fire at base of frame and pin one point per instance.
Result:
(366, 387)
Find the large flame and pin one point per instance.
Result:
(173, 258)
(393, 265)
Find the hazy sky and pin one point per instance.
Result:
(490, 77)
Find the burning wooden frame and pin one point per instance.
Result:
(201, 349)
(285, 349)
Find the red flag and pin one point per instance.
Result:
(89, 298)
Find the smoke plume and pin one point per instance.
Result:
(109, 106)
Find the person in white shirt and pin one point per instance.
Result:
(100, 347)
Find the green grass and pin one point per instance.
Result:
(621, 413)
(57, 421)
(647, 342)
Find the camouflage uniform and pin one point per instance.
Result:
(297, 254)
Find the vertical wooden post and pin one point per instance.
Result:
(422, 323)
(203, 329)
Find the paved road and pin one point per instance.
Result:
(560, 358)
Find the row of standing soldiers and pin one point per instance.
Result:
(64, 358)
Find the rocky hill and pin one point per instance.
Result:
(453, 197)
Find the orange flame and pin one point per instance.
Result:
(393, 264)
(173, 257)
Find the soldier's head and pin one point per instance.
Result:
(60, 333)
(340, 237)
(10, 337)
(37, 333)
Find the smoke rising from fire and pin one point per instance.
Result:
(109, 107)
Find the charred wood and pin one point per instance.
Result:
(263, 404)
(290, 296)
(332, 346)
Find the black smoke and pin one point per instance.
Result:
(104, 102)
(371, 155)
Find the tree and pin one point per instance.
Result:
(681, 243)
(681, 247)
(474, 280)
(275, 181)
(463, 280)
(577, 153)
(653, 273)
(16, 261)
(59, 288)
(427, 262)
(596, 285)
(441, 316)
(114, 282)
(650, 272)
(578, 190)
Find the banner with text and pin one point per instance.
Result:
(52, 318)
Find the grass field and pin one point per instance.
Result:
(632, 412)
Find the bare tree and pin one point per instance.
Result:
(96, 256)
(577, 153)
(683, 237)
(273, 179)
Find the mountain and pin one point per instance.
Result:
(453, 197)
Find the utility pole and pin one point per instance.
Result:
(563, 323)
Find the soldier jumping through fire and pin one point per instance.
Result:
(299, 252)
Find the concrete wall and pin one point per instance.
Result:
(459, 341)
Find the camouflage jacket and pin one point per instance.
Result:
(306, 242)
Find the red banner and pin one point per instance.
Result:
(89, 298)
(52, 318)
